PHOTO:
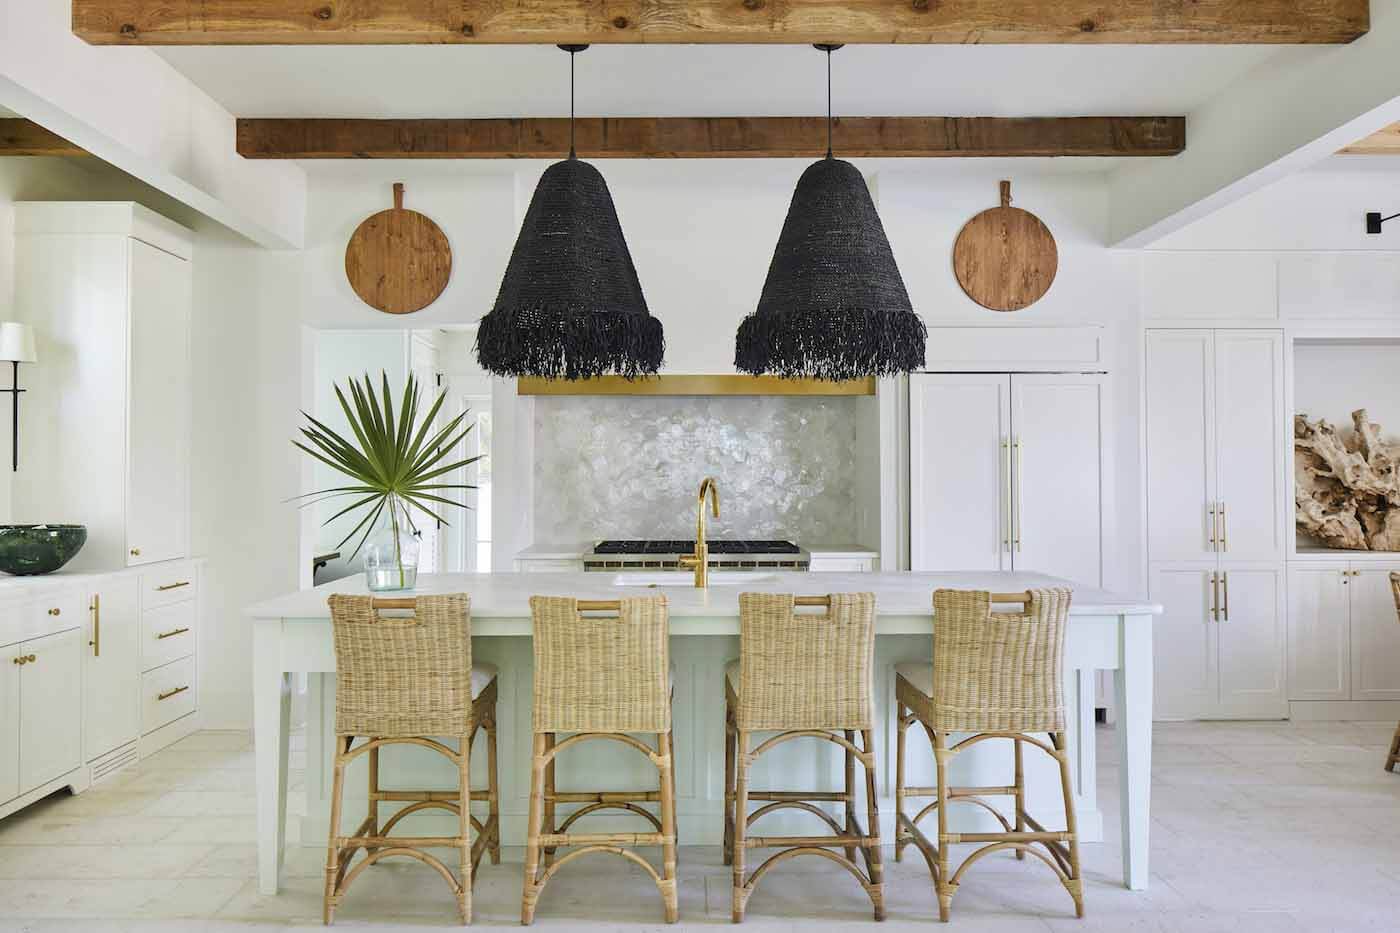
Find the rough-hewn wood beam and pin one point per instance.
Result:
(20, 137)
(711, 137)
(1381, 142)
(349, 22)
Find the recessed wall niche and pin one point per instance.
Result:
(1333, 377)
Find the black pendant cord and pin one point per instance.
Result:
(828, 48)
(572, 50)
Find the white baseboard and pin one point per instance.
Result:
(1344, 710)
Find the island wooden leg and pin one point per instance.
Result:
(271, 721)
(1133, 701)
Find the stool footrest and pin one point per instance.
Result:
(801, 795)
(553, 840)
(450, 796)
(625, 796)
(391, 842)
(1005, 837)
(820, 842)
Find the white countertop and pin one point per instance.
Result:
(507, 595)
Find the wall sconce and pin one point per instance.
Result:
(16, 346)
(1374, 220)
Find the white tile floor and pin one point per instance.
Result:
(1268, 827)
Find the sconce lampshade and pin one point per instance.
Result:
(17, 343)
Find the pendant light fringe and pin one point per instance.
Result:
(569, 343)
(819, 343)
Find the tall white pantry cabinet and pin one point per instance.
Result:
(100, 658)
(1216, 536)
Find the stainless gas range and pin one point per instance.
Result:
(724, 555)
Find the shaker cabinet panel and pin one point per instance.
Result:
(112, 668)
(1185, 676)
(1249, 448)
(1057, 501)
(1180, 386)
(1319, 658)
(158, 410)
(1250, 644)
(960, 451)
(50, 708)
(1375, 635)
(9, 721)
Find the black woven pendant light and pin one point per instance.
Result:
(570, 305)
(834, 305)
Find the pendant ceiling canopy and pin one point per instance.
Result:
(834, 305)
(570, 304)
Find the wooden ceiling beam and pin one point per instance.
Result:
(711, 137)
(1382, 142)
(21, 137)
(360, 22)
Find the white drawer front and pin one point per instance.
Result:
(167, 693)
(169, 583)
(168, 634)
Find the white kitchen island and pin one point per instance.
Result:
(291, 635)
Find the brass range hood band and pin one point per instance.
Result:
(719, 384)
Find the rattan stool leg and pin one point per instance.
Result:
(741, 809)
(1020, 798)
(332, 895)
(1394, 751)
(850, 794)
(464, 828)
(1075, 882)
(901, 835)
(531, 890)
(873, 864)
(946, 889)
(730, 737)
(549, 791)
(670, 897)
(493, 791)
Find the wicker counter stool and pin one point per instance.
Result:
(603, 675)
(409, 679)
(802, 675)
(1394, 757)
(995, 675)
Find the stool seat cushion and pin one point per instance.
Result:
(482, 675)
(919, 676)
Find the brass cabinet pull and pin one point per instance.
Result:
(1215, 597)
(170, 693)
(19, 660)
(1020, 464)
(136, 552)
(172, 586)
(1224, 529)
(96, 642)
(1006, 465)
(55, 611)
(1226, 576)
(1210, 516)
(172, 633)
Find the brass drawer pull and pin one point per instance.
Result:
(55, 611)
(26, 659)
(170, 693)
(21, 660)
(96, 609)
(172, 633)
(172, 586)
(136, 552)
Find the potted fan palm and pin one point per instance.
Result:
(396, 464)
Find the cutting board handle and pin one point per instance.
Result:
(398, 195)
(1005, 193)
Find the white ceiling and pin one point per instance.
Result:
(501, 81)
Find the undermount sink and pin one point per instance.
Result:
(687, 579)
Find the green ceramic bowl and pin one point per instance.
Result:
(31, 549)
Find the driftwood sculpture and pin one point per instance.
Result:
(1347, 487)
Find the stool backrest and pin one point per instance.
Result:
(602, 672)
(806, 670)
(999, 671)
(402, 675)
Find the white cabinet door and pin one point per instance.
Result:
(1182, 643)
(158, 409)
(1180, 400)
(1375, 635)
(1057, 500)
(1248, 444)
(9, 722)
(1319, 659)
(50, 708)
(1250, 644)
(959, 471)
(112, 667)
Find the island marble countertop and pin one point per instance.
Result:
(507, 595)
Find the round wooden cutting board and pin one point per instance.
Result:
(1005, 258)
(398, 261)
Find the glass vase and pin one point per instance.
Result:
(391, 551)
